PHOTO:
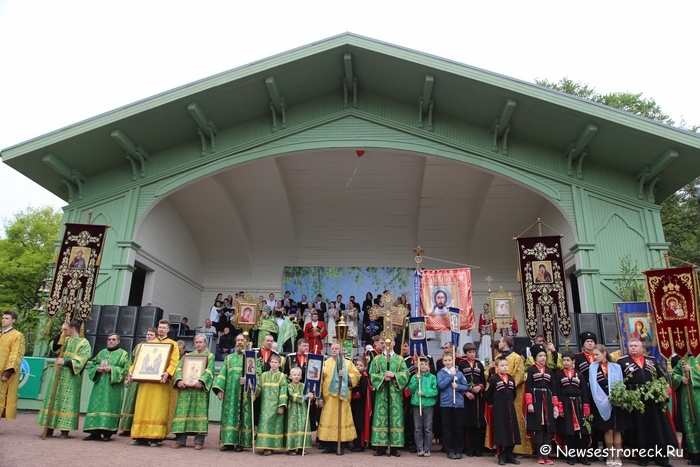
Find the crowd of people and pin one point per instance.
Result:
(383, 399)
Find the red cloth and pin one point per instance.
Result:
(315, 335)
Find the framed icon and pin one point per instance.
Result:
(192, 367)
(151, 361)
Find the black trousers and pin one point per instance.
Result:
(452, 429)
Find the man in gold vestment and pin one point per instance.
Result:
(11, 353)
(345, 379)
(150, 424)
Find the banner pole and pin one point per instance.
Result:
(61, 342)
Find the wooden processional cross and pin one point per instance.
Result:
(393, 316)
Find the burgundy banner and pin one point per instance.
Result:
(673, 295)
(78, 263)
(544, 285)
(444, 288)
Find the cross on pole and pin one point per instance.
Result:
(390, 314)
(489, 279)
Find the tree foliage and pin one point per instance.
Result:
(680, 213)
(25, 253)
(627, 101)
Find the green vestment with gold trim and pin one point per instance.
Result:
(272, 388)
(387, 419)
(192, 410)
(106, 397)
(66, 403)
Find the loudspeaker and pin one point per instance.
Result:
(126, 343)
(100, 344)
(92, 322)
(126, 325)
(608, 329)
(148, 318)
(587, 322)
(108, 320)
(91, 341)
(573, 337)
(521, 343)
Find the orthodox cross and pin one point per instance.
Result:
(392, 315)
(489, 279)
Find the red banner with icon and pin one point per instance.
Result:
(673, 297)
(442, 289)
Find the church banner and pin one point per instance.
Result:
(314, 370)
(73, 287)
(442, 289)
(251, 375)
(673, 296)
(634, 321)
(544, 285)
(418, 343)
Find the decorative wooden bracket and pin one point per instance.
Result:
(577, 147)
(277, 104)
(347, 80)
(72, 178)
(501, 125)
(650, 172)
(425, 102)
(206, 128)
(136, 152)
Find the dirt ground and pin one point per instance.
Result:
(21, 446)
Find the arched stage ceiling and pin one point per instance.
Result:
(298, 209)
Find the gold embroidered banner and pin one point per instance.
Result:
(442, 289)
(673, 297)
(544, 285)
(73, 287)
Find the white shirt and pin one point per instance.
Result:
(214, 314)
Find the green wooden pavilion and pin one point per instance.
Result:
(217, 185)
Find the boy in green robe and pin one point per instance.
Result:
(389, 375)
(273, 390)
(107, 370)
(192, 410)
(236, 417)
(296, 414)
(66, 405)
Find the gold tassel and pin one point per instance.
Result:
(517, 276)
(82, 330)
(47, 328)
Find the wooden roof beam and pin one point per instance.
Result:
(347, 62)
(276, 102)
(206, 127)
(349, 81)
(577, 147)
(502, 123)
(70, 176)
(134, 151)
(425, 102)
(662, 162)
(651, 172)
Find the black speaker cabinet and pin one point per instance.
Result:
(609, 329)
(100, 344)
(148, 318)
(587, 322)
(127, 343)
(126, 325)
(522, 343)
(91, 341)
(573, 337)
(108, 320)
(92, 322)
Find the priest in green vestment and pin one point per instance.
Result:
(192, 410)
(236, 418)
(66, 404)
(389, 376)
(686, 376)
(107, 370)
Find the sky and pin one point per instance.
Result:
(64, 62)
